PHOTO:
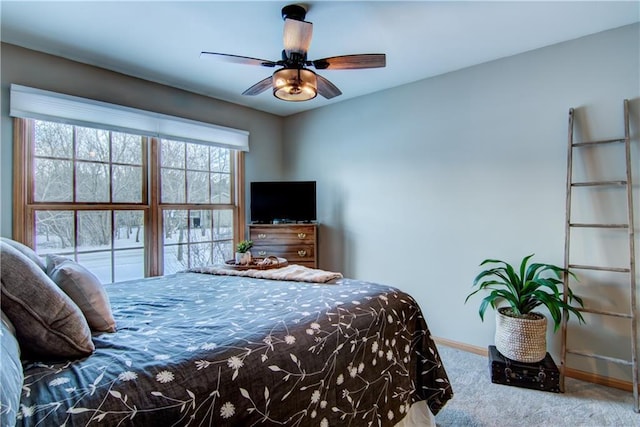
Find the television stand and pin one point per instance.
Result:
(298, 243)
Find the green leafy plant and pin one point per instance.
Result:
(535, 285)
(243, 246)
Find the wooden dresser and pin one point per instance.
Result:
(298, 243)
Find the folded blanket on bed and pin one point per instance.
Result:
(292, 272)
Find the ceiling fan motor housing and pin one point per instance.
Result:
(294, 59)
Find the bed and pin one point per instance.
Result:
(216, 350)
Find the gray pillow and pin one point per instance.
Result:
(26, 250)
(48, 323)
(85, 290)
(11, 375)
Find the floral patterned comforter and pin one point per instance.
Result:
(203, 350)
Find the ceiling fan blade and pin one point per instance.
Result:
(259, 87)
(236, 59)
(326, 88)
(351, 62)
(297, 36)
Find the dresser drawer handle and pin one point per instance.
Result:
(302, 253)
(302, 235)
(262, 236)
(262, 253)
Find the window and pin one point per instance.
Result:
(98, 195)
(195, 175)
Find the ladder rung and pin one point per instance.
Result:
(604, 312)
(602, 141)
(597, 183)
(592, 267)
(584, 225)
(600, 357)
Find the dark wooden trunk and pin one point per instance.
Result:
(543, 375)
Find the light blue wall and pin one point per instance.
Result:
(30, 68)
(418, 184)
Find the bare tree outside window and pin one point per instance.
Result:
(89, 202)
(86, 165)
(201, 176)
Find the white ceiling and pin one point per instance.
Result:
(161, 41)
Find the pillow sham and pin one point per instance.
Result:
(11, 374)
(26, 250)
(48, 323)
(85, 290)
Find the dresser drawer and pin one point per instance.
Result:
(292, 253)
(282, 235)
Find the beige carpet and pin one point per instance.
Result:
(478, 402)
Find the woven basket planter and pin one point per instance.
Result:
(523, 339)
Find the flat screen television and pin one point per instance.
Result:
(283, 201)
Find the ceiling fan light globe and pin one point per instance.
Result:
(293, 84)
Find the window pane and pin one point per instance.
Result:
(206, 221)
(200, 229)
(172, 154)
(53, 180)
(172, 186)
(129, 231)
(197, 157)
(174, 226)
(127, 184)
(200, 254)
(175, 258)
(54, 232)
(220, 188)
(220, 160)
(92, 182)
(99, 263)
(126, 148)
(222, 251)
(53, 139)
(94, 230)
(223, 224)
(198, 187)
(129, 265)
(92, 144)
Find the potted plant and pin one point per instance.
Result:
(243, 255)
(520, 331)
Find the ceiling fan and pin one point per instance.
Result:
(294, 81)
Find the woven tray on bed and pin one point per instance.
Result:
(258, 263)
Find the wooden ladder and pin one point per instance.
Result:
(629, 270)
